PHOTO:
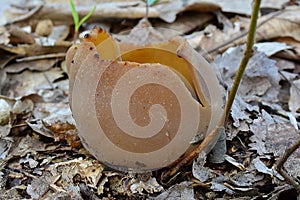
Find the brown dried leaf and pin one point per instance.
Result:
(36, 49)
(4, 59)
(26, 83)
(38, 127)
(89, 170)
(293, 43)
(271, 26)
(167, 10)
(18, 11)
(35, 65)
(27, 144)
(71, 137)
(285, 24)
(19, 36)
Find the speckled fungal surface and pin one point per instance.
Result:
(137, 105)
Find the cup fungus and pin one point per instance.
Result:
(139, 102)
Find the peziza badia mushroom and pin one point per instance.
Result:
(139, 102)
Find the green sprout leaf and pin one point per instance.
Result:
(151, 2)
(74, 12)
(76, 18)
(86, 17)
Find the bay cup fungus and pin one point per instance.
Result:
(139, 100)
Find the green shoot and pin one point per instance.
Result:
(76, 18)
(151, 2)
(207, 144)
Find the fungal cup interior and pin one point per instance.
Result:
(143, 47)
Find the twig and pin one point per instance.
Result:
(208, 143)
(281, 162)
(247, 55)
(204, 147)
(40, 57)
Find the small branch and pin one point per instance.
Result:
(41, 57)
(210, 140)
(246, 57)
(205, 146)
(281, 162)
(75, 37)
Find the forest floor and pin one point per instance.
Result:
(41, 155)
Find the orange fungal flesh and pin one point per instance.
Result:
(105, 44)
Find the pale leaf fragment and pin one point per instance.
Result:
(232, 161)
(183, 190)
(4, 36)
(294, 102)
(261, 167)
(270, 48)
(259, 128)
(150, 186)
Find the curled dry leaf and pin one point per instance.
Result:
(138, 103)
(19, 36)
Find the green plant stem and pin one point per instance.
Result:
(78, 23)
(75, 36)
(207, 144)
(247, 55)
